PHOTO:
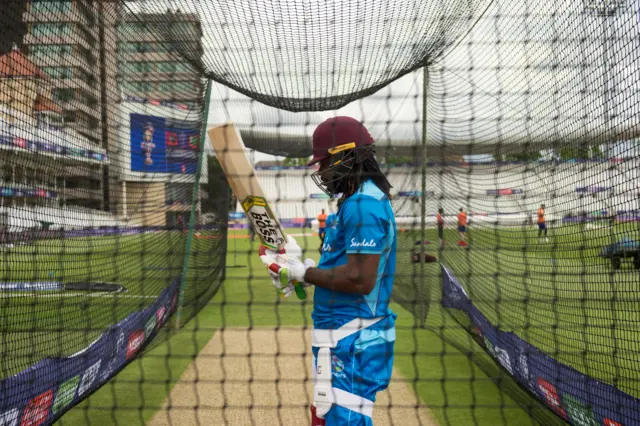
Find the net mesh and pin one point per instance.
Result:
(131, 287)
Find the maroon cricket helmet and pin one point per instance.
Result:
(338, 134)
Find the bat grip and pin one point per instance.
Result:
(300, 291)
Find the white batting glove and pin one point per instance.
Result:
(294, 270)
(284, 270)
(292, 249)
(270, 259)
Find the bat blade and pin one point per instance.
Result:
(232, 155)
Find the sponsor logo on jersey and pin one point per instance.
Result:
(363, 243)
(338, 367)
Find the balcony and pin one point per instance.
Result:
(61, 145)
(64, 61)
(76, 105)
(73, 39)
(81, 193)
(52, 16)
(76, 83)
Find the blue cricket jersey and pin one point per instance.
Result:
(364, 224)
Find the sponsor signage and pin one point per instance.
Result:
(572, 395)
(42, 393)
(237, 215)
(31, 286)
(65, 394)
(27, 192)
(415, 194)
(505, 191)
(18, 143)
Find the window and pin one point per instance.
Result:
(184, 67)
(176, 86)
(62, 73)
(164, 47)
(136, 67)
(138, 86)
(167, 66)
(51, 29)
(132, 28)
(51, 50)
(57, 6)
(63, 94)
(135, 47)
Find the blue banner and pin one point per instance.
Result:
(575, 397)
(50, 148)
(42, 393)
(415, 194)
(9, 191)
(164, 145)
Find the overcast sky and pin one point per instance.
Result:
(513, 78)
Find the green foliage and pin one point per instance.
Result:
(579, 152)
(295, 162)
(525, 156)
(394, 159)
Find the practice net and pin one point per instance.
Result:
(132, 291)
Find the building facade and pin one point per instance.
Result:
(73, 41)
(37, 152)
(158, 82)
(150, 64)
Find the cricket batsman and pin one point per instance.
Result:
(353, 332)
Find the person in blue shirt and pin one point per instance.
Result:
(353, 332)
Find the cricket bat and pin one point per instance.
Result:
(232, 155)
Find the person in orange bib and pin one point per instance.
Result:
(462, 226)
(542, 225)
(322, 225)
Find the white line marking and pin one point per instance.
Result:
(100, 294)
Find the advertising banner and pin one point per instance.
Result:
(164, 145)
(42, 393)
(575, 397)
(505, 191)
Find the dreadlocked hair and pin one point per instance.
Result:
(362, 166)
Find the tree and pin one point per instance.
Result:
(392, 160)
(579, 152)
(524, 156)
(295, 162)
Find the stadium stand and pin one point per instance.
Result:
(477, 188)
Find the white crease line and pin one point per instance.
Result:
(100, 294)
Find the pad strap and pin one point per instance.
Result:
(329, 338)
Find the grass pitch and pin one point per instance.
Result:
(518, 284)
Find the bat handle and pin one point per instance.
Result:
(300, 291)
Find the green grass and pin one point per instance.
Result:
(42, 324)
(456, 389)
(560, 296)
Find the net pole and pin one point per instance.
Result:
(192, 216)
(424, 296)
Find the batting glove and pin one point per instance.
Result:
(285, 271)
